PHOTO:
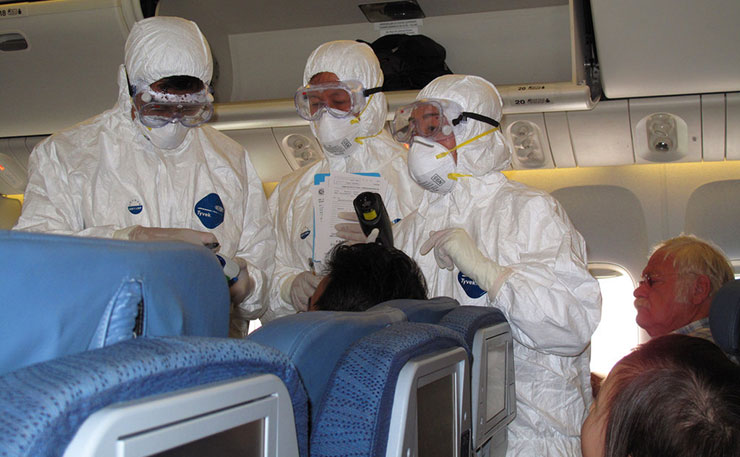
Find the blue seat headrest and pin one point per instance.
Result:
(424, 311)
(724, 317)
(67, 294)
(466, 320)
(316, 340)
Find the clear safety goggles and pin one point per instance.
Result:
(157, 109)
(433, 119)
(340, 99)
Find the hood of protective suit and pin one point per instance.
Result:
(158, 47)
(352, 60)
(476, 95)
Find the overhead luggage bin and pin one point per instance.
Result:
(59, 61)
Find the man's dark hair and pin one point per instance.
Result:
(363, 275)
(180, 83)
(675, 396)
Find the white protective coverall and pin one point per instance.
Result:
(291, 204)
(542, 284)
(103, 175)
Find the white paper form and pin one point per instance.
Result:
(334, 193)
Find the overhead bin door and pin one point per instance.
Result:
(59, 56)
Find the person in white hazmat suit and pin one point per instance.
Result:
(347, 112)
(502, 244)
(148, 170)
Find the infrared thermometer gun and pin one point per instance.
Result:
(372, 214)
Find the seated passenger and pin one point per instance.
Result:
(675, 396)
(678, 285)
(359, 276)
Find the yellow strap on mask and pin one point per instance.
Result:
(359, 115)
(360, 138)
(456, 176)
(487, 132)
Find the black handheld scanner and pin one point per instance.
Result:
(372, 214)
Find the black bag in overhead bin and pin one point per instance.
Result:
(409, 61)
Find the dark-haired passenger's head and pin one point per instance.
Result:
(676, 396)
(359, 276)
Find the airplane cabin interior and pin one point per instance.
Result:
(628, 113)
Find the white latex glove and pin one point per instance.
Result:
(139, 233)
(352, 232)
(244, 286)
(454, 248)
(300, 289)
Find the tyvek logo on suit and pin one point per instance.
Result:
(210, 210)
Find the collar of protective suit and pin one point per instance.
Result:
(469, 194)
(124, 106)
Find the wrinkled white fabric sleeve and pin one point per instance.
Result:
(50, 203)
(550, 299)
(287, 267)
(256, 245)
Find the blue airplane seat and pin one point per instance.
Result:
(724, 318)
(315, 341)
(493, 388)
(62, 294)
(424, 311)
(42, 406)
(370, 406)
(467, 320)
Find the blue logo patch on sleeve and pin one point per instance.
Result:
(210, 211)
(469, 286)
(134, 206)
(304, 234)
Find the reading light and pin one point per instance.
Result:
(300, 149)
(661, 137)
(661, 131)
(525, 138)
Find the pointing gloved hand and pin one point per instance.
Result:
(353, 231)
(139, 233)
(244, 286)
(301, 288)
(453, 247)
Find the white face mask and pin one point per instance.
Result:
(430, 165)
(168, 137)
(337, 136)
